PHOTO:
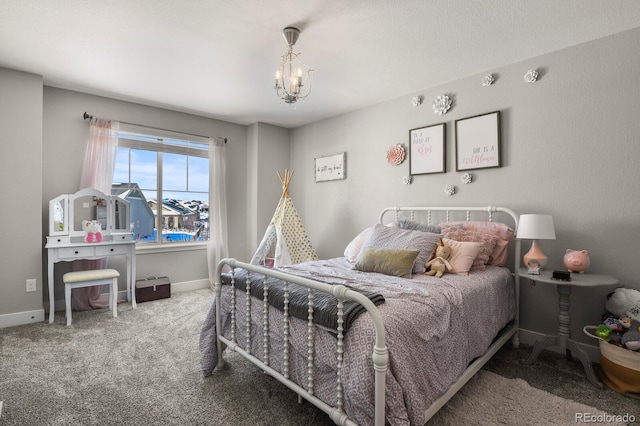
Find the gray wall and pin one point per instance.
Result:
(21, 183)
(570, 147)
(268, 154)
(64, 142)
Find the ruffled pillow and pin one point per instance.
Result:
(500, 230)
(487, 243)
(397, 262)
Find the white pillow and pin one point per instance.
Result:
(352, 250)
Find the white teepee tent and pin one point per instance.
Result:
(286, 242)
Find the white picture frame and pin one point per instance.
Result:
(478, 142)
(427, 150)
(330, 167)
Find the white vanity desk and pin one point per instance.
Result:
(66, 243)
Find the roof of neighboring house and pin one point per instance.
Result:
(130, 191)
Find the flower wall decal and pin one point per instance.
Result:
(466, 178)
(531, 76)
(449, 189)
(407, 180)
(395, 154)
(487, 80)
(416, 100)
(441, 105)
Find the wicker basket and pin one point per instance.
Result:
(619, 367)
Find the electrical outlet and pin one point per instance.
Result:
(31, 285)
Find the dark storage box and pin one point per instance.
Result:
(153, 288)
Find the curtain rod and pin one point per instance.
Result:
(87, 116)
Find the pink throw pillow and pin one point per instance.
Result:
(462, 255)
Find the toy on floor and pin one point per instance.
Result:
(603, 332)
(624, 302)
(621, 324)
(631, 339)
(613, 324)
(440, 264)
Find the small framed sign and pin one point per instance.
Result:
(427, 150)
(331, 167)
(478, 142)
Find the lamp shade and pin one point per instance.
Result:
(536, 227)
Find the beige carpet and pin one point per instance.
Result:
(142, 368)
(490, 399)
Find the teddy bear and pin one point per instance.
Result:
(439, 264)
(92, 231)
(624, 302)
(631, 339)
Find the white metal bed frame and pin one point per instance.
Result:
(380, 355)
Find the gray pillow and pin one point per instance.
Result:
(417, 226)
(385, 237)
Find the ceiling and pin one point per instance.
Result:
(217, 58)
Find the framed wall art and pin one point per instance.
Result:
(478, 142)
(331, 167)
(427, 150)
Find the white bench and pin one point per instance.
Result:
(79, 279)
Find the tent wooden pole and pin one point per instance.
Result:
(285, 182)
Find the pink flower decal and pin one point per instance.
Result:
(395, 155)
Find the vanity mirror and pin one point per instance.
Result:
(59, 215)
(68, 211)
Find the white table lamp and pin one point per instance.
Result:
(535, 227)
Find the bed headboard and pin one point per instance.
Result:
(438, 214)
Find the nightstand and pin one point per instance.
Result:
(563, 339)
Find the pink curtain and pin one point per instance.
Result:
(97, 172)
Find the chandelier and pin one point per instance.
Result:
(293, 78)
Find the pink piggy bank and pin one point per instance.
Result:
(576, 260)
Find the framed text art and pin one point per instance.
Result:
(478, 142)
(427, 150)
(331, 167)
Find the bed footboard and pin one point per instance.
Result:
(379, 356)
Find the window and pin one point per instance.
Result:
(166, 181)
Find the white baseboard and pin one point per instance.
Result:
(28, 317)
(20, 318)
(529, 337)
(190, 285)
(122, 294)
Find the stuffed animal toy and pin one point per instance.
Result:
(624, 302)
(439, 264)
(92, 231)
(631, 339)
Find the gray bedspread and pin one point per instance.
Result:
(434, 327)
(325, 305)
